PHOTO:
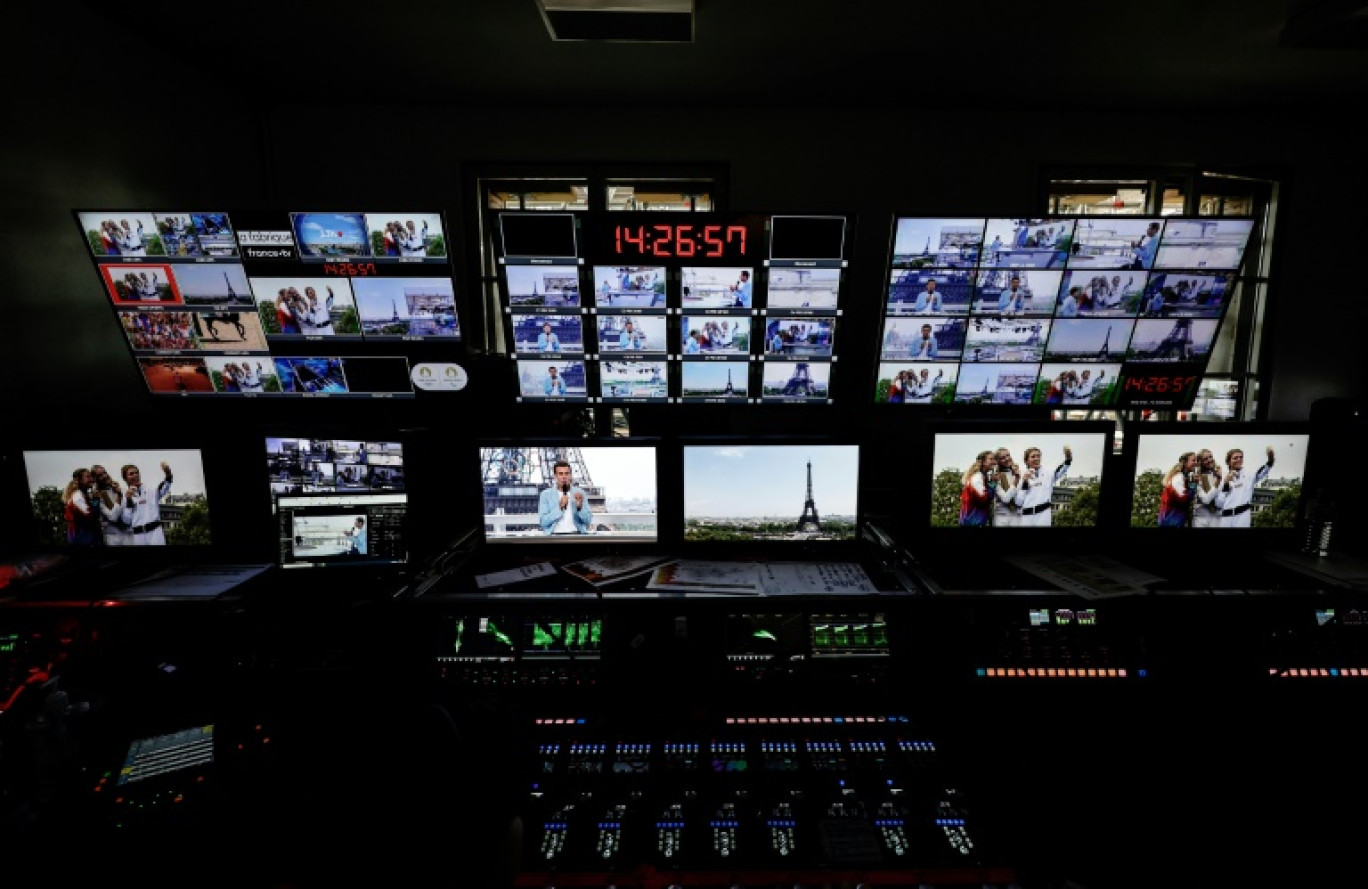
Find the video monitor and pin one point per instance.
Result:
(544, 333)
(990, 383)
(552, 379)
(1089, 339)
(771, 493)
(1056, 290)
(568, 492)
(1217, 475)
(1090, 294)
(702, 335)
(157, 755)
(1176, 339)
(815, 289)
(331, 235)
(714, 382)
(795, 381)
(923, 338)
(1187, 294)
(122, 233)
(213, 285)
(1015, 292)
(542, 286)
(1115, 242)
(629, 287)
(636, 334)
(306, 307)
(242, 374)
(1079, 385)
(1027, 243)
(799, 337)
(920, 243)
(902, 382)
(1014, 475)
(641, 381)
(406, 235)
(807, 237)
(923, 291)
(124, 497)
(705, 287)
(141, 284)
(538, 235)
(338, 502)
(1209, 243)
(407, 308)
(1005, 338)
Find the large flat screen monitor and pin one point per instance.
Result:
(119, 497)
(1017, 476)
(536, 492)
(772, 493)
(1237, 478)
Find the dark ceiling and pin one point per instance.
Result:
(921, 58)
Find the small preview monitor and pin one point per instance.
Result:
(331, 235)
(537, 492)
(807, 237)
(1209, 243)
(124, 497)
(640, 287)
(542, 286)
(538, 235)
(921, 242)
(752, 492)
(1115, 242)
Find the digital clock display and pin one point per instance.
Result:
(350, 269)
(685, 241)
(1166, 386)
(696, 237)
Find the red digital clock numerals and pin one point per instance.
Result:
(683, 240)
(350, 269)
(1159, 384)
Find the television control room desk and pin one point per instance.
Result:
(933, 732)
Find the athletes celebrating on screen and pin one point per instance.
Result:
(1204, 511)
(918, 389)
(1235, 496)
(976, 492)
(317, 317)
(1037, 488)
(1007, 482)
(1178, 491)
(142, 507)
(411, 242)
(80, 510)
(564, 508)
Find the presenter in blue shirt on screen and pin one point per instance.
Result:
(554, 384)
(563, 508)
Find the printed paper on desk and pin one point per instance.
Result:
(514, 575)
(815, 579)
(735, 578)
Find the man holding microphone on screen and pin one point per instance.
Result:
(563, 509)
